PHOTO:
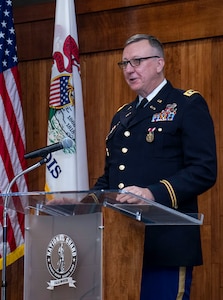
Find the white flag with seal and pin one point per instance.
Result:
(66, 169)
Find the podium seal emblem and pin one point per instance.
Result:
(61, 260)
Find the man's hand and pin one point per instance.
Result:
(138, 191)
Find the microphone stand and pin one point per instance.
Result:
(5, 210)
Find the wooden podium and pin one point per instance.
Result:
(87, 246)
(123, 240)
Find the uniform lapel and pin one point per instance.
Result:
(128, 114)
(157, 104)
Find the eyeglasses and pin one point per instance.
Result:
(135, 62)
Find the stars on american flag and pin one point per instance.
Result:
(8, 50)
(60, 91)
(12, 131)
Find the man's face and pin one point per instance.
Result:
(143, 79)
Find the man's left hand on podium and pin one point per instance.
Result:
(138, 191)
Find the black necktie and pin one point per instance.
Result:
(142, 103)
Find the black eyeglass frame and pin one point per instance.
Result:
(134, 62)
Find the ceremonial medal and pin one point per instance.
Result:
(150, 135)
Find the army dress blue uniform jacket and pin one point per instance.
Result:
(169, 147)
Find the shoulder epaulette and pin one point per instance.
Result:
(121, 107)
(190, 93)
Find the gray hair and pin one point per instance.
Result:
(153, 41)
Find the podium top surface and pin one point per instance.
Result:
(85, 202)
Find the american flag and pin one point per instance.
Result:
(59, 92)
(12, 133)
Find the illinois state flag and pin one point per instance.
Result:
(66, 170)
(12, 135)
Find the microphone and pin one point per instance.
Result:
(43, 152)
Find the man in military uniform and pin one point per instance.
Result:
(162, 147)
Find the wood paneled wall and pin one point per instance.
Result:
(193, 35)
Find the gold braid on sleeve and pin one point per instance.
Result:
(94, 197)
(171, 192)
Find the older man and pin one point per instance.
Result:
(161, 146)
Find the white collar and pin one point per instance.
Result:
(154, 92)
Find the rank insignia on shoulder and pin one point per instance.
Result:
(190, 93)
(121, 107)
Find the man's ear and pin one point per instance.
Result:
(160, 64)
